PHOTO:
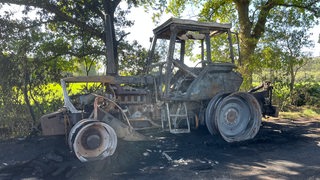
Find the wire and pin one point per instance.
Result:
(96, 108)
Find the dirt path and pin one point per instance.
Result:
(283, 149)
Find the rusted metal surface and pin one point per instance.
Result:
(53, 123)
(122, 130)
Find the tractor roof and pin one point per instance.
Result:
(183, 26)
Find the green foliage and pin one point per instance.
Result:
(281, 95)
(222, 11)
(269, 58)
(132, 59)
(176, 7)
(305, 90)
(15, 122)
(15, 119)
(220, 51)
(304, 93)
(310, 72)
(307, 93)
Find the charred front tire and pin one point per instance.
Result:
(92, 140)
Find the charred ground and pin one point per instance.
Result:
(283, 149)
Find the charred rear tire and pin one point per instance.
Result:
(238, 117)
(210, 121)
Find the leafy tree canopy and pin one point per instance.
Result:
(87, 28)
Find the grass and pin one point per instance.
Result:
(301, 112)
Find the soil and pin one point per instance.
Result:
(283, 149)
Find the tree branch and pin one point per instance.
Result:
(259, 27)
(122, 37)
(61, 16)
(264, 12)
(243, 13)
(308, 7)
(64, 17)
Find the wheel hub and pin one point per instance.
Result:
(93, 141)
(231, 116)
(91, 138)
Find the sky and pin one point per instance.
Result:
(316, 39)
(142, 29)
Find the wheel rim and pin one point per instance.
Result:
(238, 117)
(93, 140)
(74, 130)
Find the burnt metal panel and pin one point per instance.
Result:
(102, 79)
(213, 79)
(53, 124)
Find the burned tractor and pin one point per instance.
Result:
(171, 95)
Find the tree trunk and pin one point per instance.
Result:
(246, 68)
(247, 45)
(110, 37)
(249, 36)
(292, 78)
(25, 89)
